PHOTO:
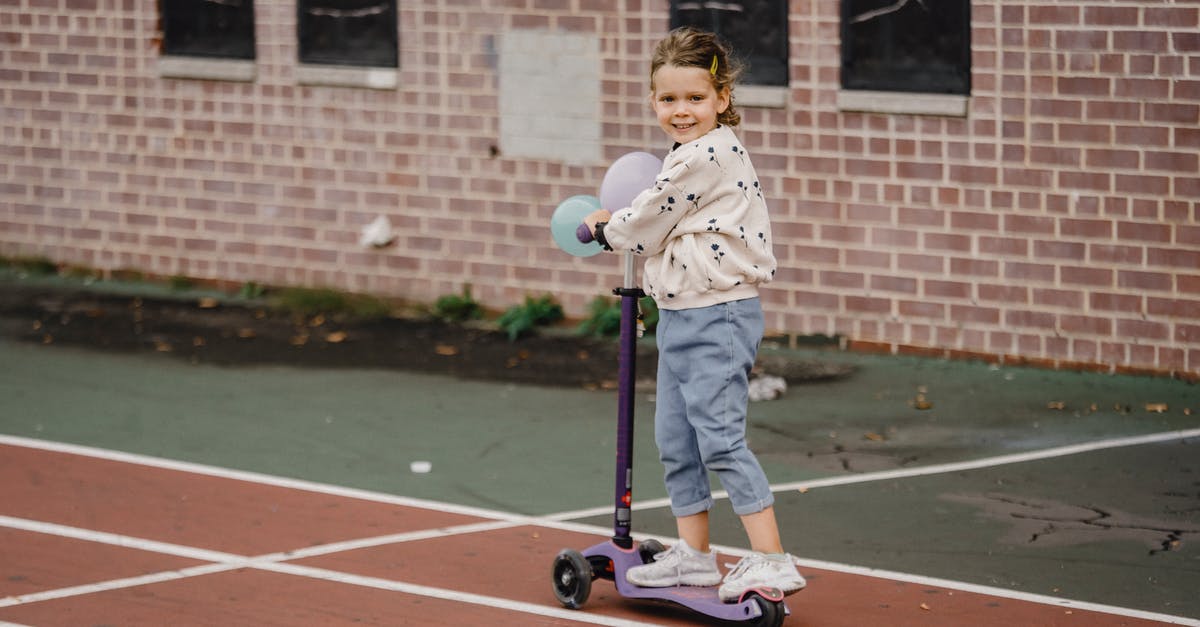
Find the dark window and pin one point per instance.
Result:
(348, 32)
(755, 29)
(907, 45)
(208, 28)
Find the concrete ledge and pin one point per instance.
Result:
(899, 102)
(761, 96)
(341, 76)
(203, 68)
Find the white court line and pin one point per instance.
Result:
(255, 477)
(920, 471)
(559, 521)
(273, 562)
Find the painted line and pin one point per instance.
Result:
(918, 471)
(561, 520)
(274, 562)
(949, 584)
(102, 537)
(255, 477)
(117, 584)
(452, 595)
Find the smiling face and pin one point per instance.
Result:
(686, 103)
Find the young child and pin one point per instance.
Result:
(704, 231)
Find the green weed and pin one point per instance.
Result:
(458, 307)
(521, 319)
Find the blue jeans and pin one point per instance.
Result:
(704, 361)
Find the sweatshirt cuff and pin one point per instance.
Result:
(599, 235)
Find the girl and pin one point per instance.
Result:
(704, 230)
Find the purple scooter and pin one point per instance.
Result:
(574, 571)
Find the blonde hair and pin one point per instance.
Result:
(690, 47)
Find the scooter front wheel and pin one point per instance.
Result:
(572, 578)
(647, 549)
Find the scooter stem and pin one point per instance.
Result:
(626, 377)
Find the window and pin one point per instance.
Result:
(208, 28)
(348, 32)
(755, 29)
(907, 45)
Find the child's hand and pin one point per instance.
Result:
(599, 215)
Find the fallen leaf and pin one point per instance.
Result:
(259, 314)
(316, 321)
(246, 333)
(198, 341)
(582, 355)
(1157, 408)
(512, 362)
(446, 350)
(37, 325)
(925, 606)
(803, 490)
(162, 346)
(336, 337)
(47, 339)
(1058, 405)
(300, 339)
(207, 303)
(523, 354)
(874, 437)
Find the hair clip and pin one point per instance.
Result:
(712, 69)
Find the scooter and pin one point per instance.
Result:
(574, 571)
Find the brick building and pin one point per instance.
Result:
(1041, 204)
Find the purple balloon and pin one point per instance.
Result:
(627, 177)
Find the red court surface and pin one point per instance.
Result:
(98, 539)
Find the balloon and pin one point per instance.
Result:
(627, 177)
(566, 220)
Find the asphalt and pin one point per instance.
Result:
(979, 483)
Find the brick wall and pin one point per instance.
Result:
(1057, 222)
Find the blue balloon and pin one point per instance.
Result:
(627, 177)
(566, 220)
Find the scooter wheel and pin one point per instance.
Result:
(773, 613)
(647, 549)
(572, 578)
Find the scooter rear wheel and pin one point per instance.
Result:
(773, 613)
(572, 578)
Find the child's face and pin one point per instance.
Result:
(686, 102)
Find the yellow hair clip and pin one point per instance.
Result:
(712, 69)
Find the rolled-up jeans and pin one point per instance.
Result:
(704, 361)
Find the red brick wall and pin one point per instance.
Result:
(1058, 222)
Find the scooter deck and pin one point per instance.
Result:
(700, 599)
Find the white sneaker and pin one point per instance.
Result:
(759, 571)
(680, 565)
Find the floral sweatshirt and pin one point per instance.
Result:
(703, 226)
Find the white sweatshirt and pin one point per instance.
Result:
(703, 226)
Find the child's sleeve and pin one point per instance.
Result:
(646, 225)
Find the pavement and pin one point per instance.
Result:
(1084, 486)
